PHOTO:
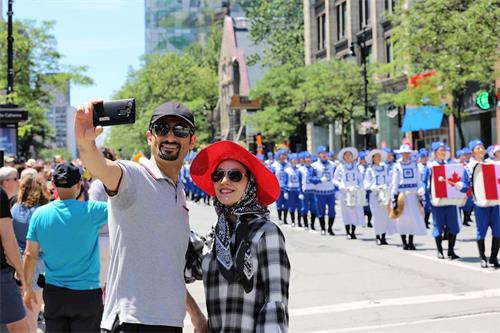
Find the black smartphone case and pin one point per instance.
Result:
(117, 112)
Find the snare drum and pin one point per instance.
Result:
(349, 197)
(382, 195)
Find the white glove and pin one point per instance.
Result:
(324, 179)
(459, 185)
(301, 196)
(421, 191)
(285, 195)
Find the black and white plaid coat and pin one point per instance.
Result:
(265, 307)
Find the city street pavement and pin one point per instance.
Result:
(340, 285)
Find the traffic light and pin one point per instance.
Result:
(484, 100)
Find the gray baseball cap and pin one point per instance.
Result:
(173, 109)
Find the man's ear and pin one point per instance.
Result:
(192, 141)
(148, 136)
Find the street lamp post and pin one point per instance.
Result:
(361, 42)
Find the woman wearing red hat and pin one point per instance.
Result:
(248, 263)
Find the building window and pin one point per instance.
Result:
(236, 78)
(321, 31)
(388, 51)
(341, 20)
(364, 13)
(389, 5)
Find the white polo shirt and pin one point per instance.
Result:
(149, 235)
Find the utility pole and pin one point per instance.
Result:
(10, 50)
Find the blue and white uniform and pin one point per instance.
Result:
(406, 179)
(441, 215)
(281, 175)
(325, 189)
(309, 180)
(293, 188)
(485, 216)
(348, 178)
(377, 178)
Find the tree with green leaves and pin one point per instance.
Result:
(319, 93)
(458, 39)
(280, 24)
(164, 78)
(36, 67)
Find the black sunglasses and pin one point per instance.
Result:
(179, 131)
(233, 175)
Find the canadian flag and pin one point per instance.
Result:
(491, 177)
(444, 179)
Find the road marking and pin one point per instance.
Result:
(454, 263)
(417, 322)
(435, 298)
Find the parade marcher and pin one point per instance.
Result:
(67, 230)
(246, 273)
(12, 313)
(352, 198)
(9, 182)
(406, 189)
(309, 180)
(363, 166)
(32, 194)
(270, 160)
(293, 194)
(279, 167)
(148, 224)
(377, 180)
(442, 216)
(469, 204)
(485, 216)
(423, 155)
(495, 153)
(325, 190)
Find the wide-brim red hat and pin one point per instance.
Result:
(208, 159)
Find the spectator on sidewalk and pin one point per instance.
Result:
(67, 230)
(32, 194)
(12, 312)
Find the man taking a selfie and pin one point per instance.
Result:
(148, 224)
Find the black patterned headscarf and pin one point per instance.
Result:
(232, 248)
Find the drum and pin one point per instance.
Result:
(360, 197)
(381, 193)
(443, 189)
(486, 184)
(350, 197)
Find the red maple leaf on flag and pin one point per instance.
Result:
(455, 178)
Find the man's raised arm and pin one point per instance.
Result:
(109, 172)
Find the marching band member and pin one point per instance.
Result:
(279, 171)
(293, 189)
(363, 166)
(349, 181)
(406, 182)
(485, 216)
(495, 153)
(325, 190)
(423, 153)
(442, 216)
(270, 159)
(376, 180)
(469, 204)
(309, 180)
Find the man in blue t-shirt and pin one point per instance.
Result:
(67, 230)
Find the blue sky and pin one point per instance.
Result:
(105, 35)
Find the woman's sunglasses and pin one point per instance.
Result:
(233, 175)
(179, 131)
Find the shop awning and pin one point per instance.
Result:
(422, 118)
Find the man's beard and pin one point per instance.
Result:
(169, 155)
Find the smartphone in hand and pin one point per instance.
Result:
(116, 112)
